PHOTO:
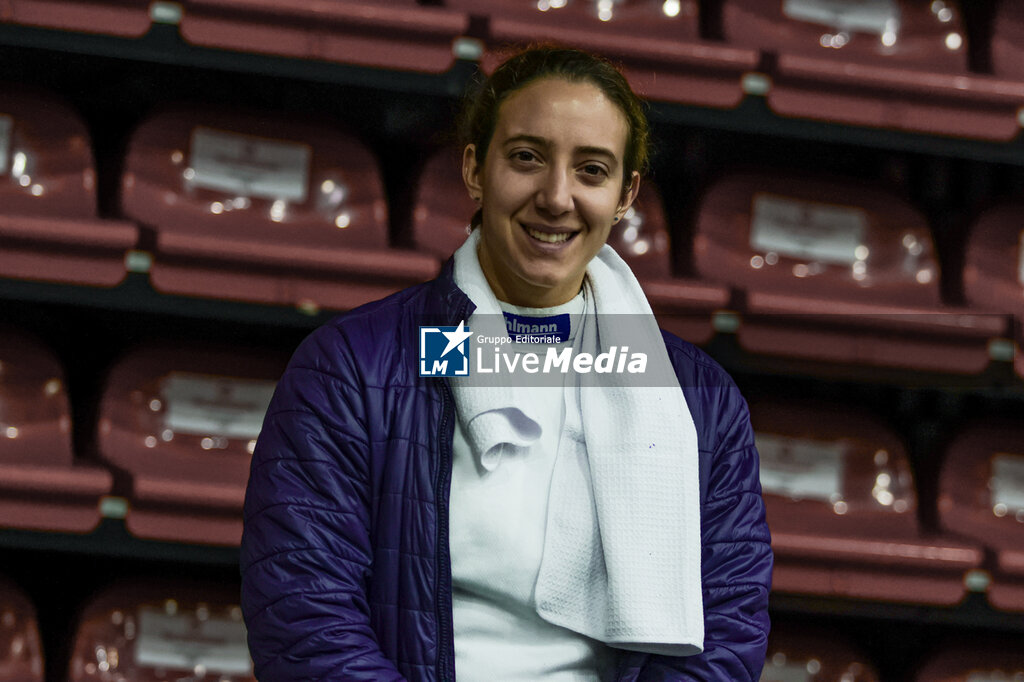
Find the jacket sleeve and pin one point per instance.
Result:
(306, 550)
(736, 556)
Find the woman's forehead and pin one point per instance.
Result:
(572, 114)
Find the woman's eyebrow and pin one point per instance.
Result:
(531, 139)
(597, 151)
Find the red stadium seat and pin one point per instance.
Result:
(443, 211)
(994, 267)
(393, 34)
(835, 272)
(992, 659)
(48, 220)
(42, 485)
(162, 632)
(981, 497)
(908, 32)
(841, 504)
(265, 209)
(683, 306)
(442, 208)
(888, 63)
(656, 42)
(994, 261)
(182, 423)
(642, 236)
(21, 656)
(124, 18)
(1007, 41)
(801, 655)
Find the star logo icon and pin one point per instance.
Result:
(455, 338)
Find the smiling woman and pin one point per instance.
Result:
(401, 526)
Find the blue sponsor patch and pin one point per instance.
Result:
(553, 329)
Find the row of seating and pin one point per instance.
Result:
(843, 508)
(182, 425)
(133, 631)
(891, 63)
(176, 630)
(179, 424)
(257, 208)
(804, 655)
(894, 63)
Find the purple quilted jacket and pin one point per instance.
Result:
(345, 564)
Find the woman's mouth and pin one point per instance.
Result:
(549, 237)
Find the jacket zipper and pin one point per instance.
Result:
(443, 568)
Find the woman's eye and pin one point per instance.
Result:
(594, 171)
(524, 156)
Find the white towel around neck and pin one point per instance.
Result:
(622, 554)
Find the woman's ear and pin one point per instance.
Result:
(628, 195)
(471, 173)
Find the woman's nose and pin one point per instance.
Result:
(555, 193)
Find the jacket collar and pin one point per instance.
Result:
(445, 299)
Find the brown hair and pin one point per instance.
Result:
(480, 113)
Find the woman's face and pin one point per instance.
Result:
(550, 187)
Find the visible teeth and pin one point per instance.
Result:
(549, 238)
